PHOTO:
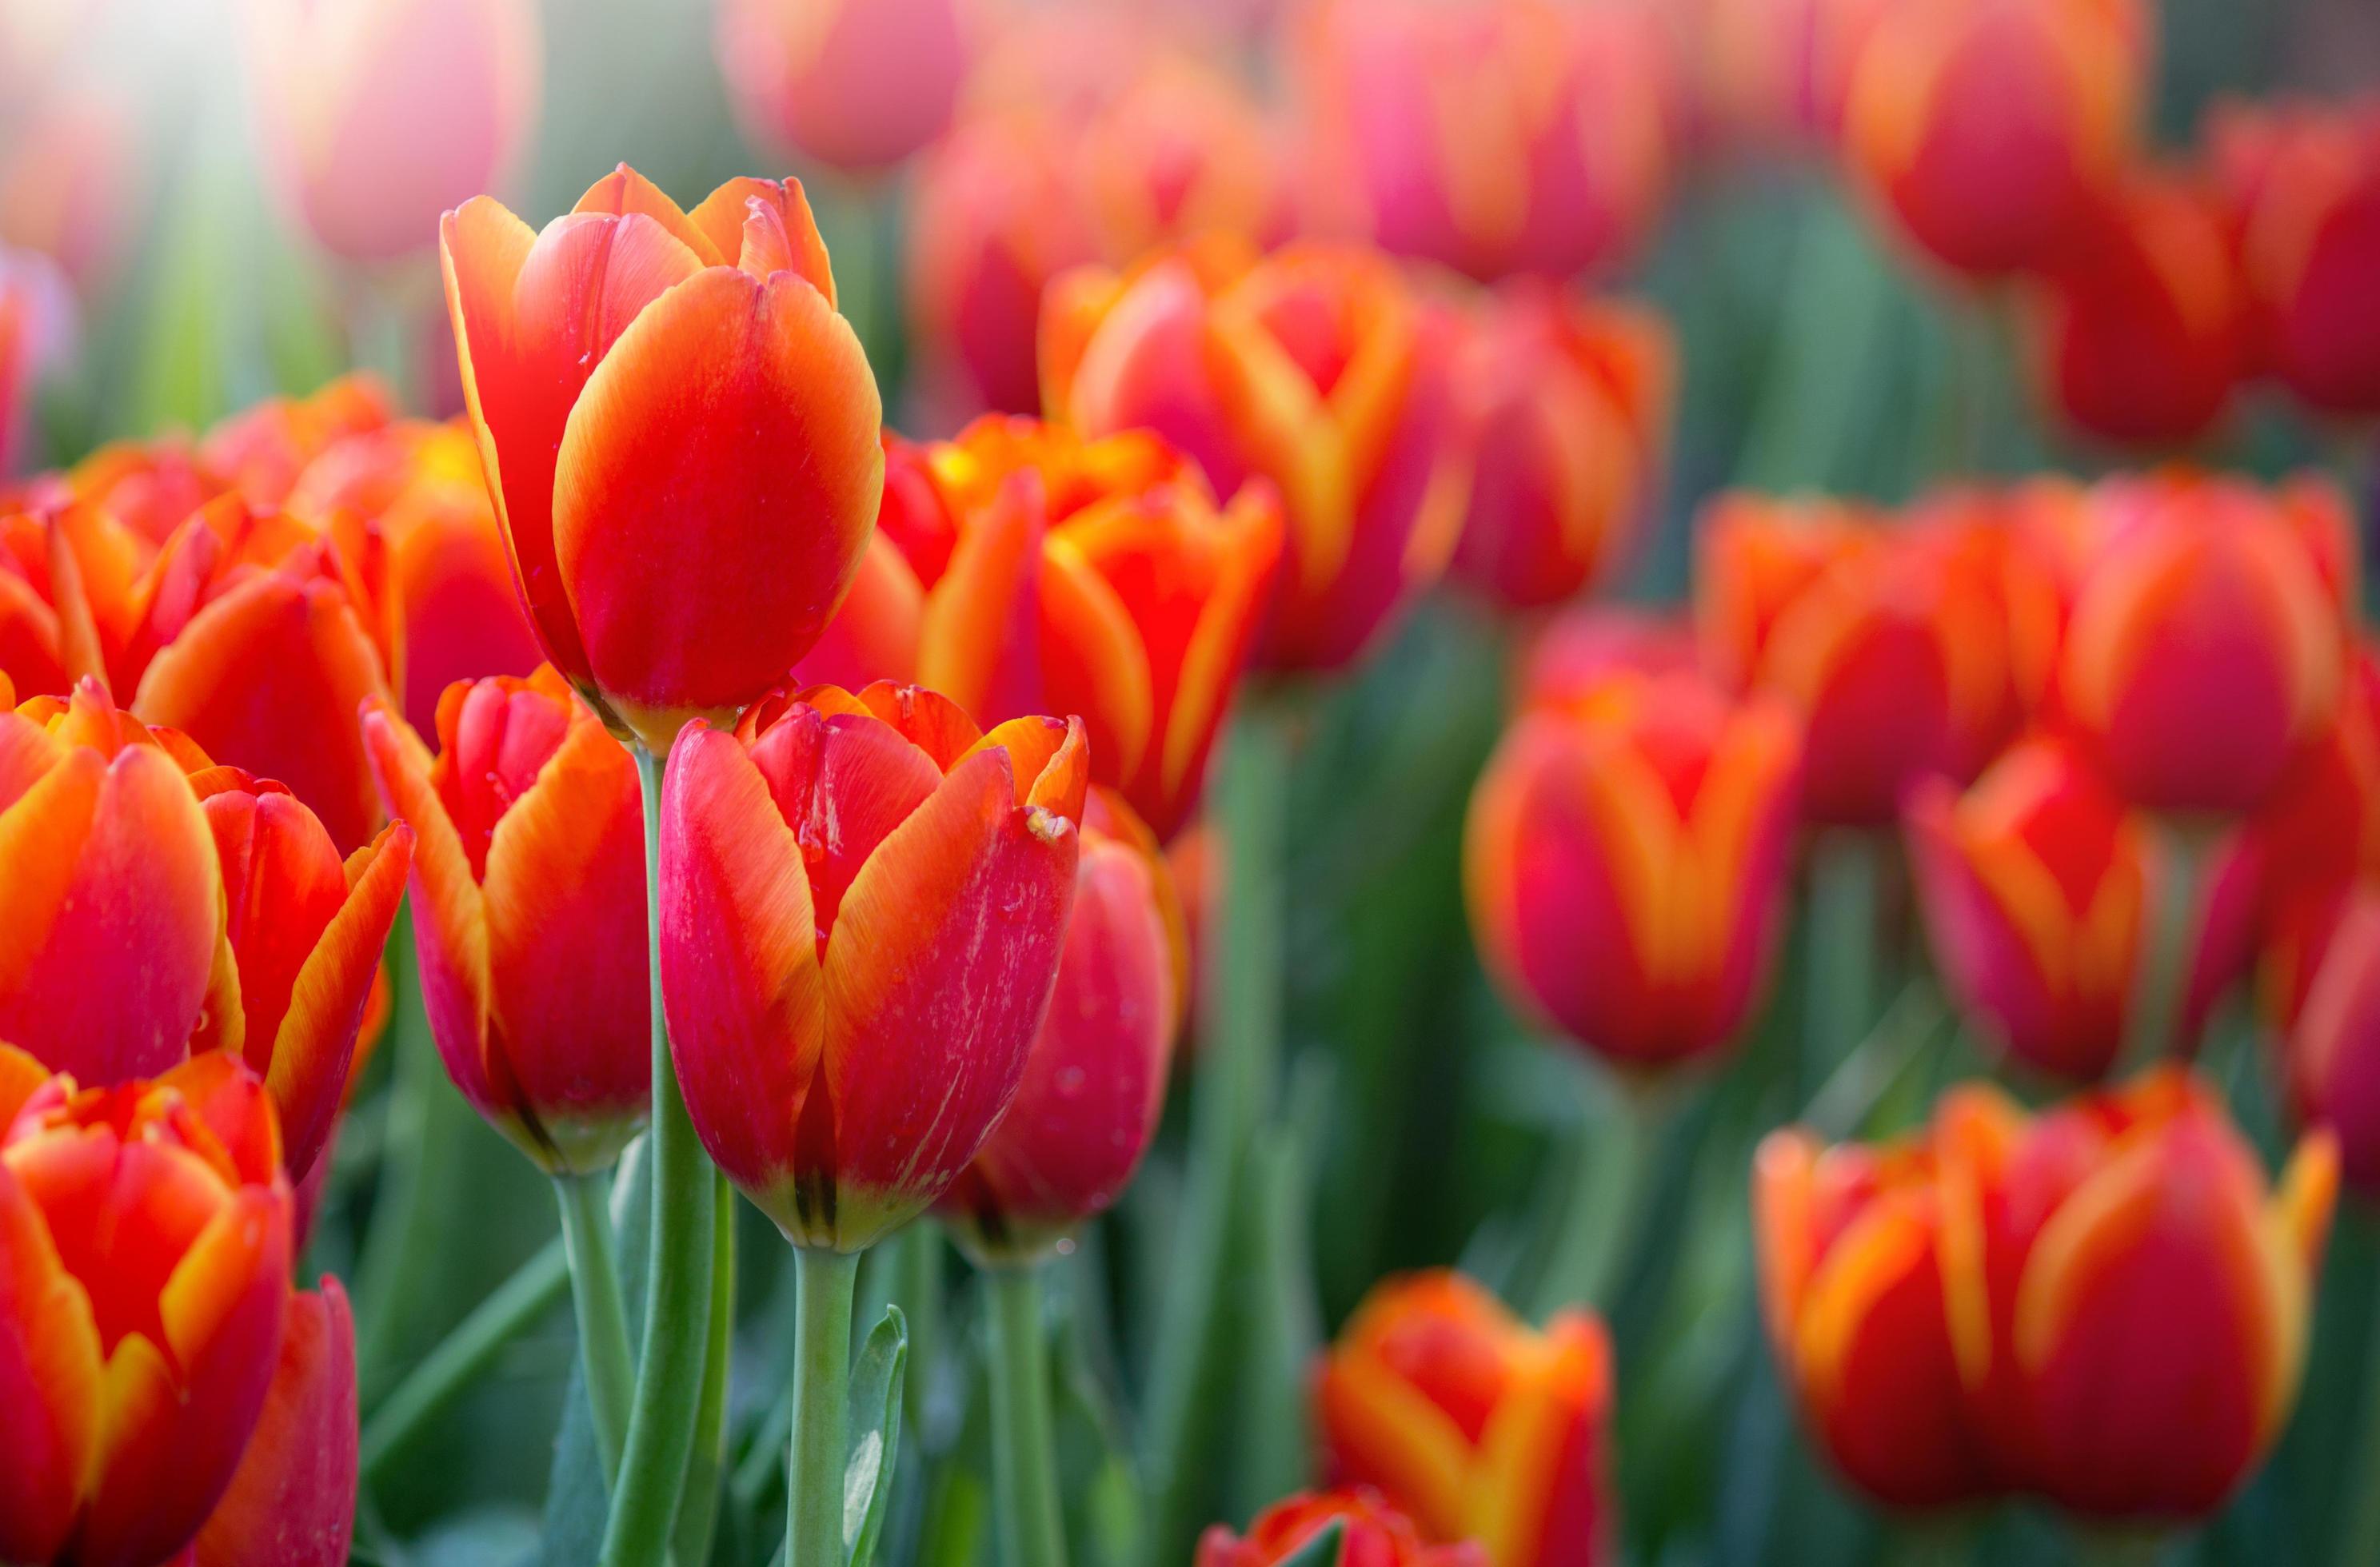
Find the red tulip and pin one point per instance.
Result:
(863, 904)
(292, 1502)
(1371, 1534)
(858, 85)
(680, 433)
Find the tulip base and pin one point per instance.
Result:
(824, 1283)
(1032, 1529)
(604, 1349)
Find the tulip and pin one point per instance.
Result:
(1095, 1078)
(1476, 1426)
(2333, 1052)
(1182, 151)
(2305, 188)
(1576, 651)
(1901, 648)
(115, 912)
(378, 116)
(844, 1085)
(1371, 1534)
(144, 1267)
(1989, 130)
(1316, 368)
(528, 911)
(68, 578)
(292, 1502)
(64, 178)
(1517, 137)
(858, 85)
(2036, 886)
(2141, 335)
(2314, 843)
(684, 458)
(149, 487)
(1572, 405)
(2192, 595)
(260, 452)
(1625, 863)
(306, 935)
(1782, 68)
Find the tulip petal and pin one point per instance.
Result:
(49, 1380)
(292, 1502)
(764, 226)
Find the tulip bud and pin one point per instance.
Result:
(1988, 130)
(378, 115)
(292, 1502)
(144, 1269)
(863, 904)
(858, 85)
(1781, 69)
(528, 911)
(681, 437)
(1625, 861)
(1093, 1082)
(1315, 368)
(1183, 151)
(1571, 404)
(1371, 1534)
(2192, 595)
(1479, 1426)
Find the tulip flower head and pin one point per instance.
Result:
(864, 901)
(1479, 1426)
(680, 434)
(528, 911)
(145, 1252)
(292, 1502)
(2333, 1050)
(1371, 1534)
(858, 85)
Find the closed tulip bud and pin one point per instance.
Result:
(1477, 1426)
(1371, 1534)
(1571, 402)
(1988, 129)
(1905, 649)
(1095, 1080)
(1625, 861)
(858, 85)
(681, 437)
(114, 918)
(292, 1502)
(144, 1270)
(528, 911)
(2141, 335)
(1521, 136)
(863, 905)
(1316, 368)
(2305, 189)
(1182, 151)
(378, 116)
(2193, 595)
(305, 934)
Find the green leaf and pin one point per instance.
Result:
(1322, 1550)
(875, 1434)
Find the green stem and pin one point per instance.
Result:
(822, 1401)
(602, 1316)
(677, 1283)
(1599, 1216)
(461, 1359)
(2161, 983)
(1841, 999)
(1232, 1094)
(2360, 1539)
(698, 1512)
(917, 1274)
(1023, 1453)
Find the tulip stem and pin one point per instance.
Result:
(463, 1356)
(1841, 993)
(823, 1282)
(698, 1512)
(677, 1287)
(604, 1349)
(1024, 1455)
(2161, 983)
(1617, 1131)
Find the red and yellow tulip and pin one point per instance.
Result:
(292, 1501)
(1371, 1534)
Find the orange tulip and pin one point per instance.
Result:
(2104, 1305)
(1518, 136)
(1052, 573)
(1183, 151)
(2192, 595)
(528, 911)
(151, 487)
(1316, 368)
(1571, 401)
(858, 85)
(1625, 860)
(114, 918)
(2305, 188)
(292, 1502)
(1782, 68)
(1094, 1080)
(260, 452)
(863, 904)
(2142, 333)
(69, 581)
(1988, 129)
(378, 116)
(1371, 1534)
(1479, 1427)
(144, 1269)
(680, 436)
